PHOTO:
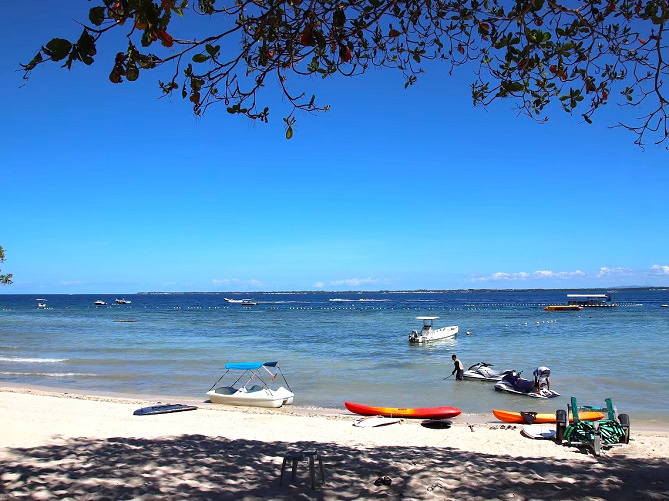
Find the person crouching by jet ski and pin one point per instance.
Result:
(459, 368)
(542, 377)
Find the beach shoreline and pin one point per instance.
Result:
(84, 446)
(297, 410)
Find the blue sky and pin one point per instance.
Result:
(107, 189)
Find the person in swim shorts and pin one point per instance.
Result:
(541, 378)
(459, 368)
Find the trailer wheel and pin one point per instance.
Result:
(560, 425)
(597, 445)
(624, 420)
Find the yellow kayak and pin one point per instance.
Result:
(526, 417)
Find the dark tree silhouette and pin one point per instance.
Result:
(583, 55)
(4, 279)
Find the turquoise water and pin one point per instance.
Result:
(351, 350)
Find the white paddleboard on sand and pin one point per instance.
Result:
(374, 421)
(538, 431)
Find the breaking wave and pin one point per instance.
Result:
(33, 360)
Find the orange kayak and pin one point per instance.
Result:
(416, 413)
(517, 417)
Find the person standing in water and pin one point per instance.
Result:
(459, 368)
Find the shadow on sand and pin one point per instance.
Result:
(199, 467)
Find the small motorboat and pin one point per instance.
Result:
(243, 302)
(482, 372)
(429, 333)
(121, 301)
(563, 307)
(513, 383)
(249, 386)
(100, 302)
(41, 304)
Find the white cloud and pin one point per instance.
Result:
(523, 275)
(224, 281)
(607, 272)
(354, 282)
(319, 285)
(236, 281)
(558, 274)
(658, 269)
(71, 282)
(501, 276)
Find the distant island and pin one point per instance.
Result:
(428, 291)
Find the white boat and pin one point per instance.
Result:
(245, 302)
(41, 303)
(590, 300)
(228, 300)
(99, 302)
(429, 333)
(251, 388)
(122, 301)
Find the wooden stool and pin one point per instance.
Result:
(295, 457)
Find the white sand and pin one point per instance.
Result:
(56, 445)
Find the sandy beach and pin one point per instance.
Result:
(70, 446)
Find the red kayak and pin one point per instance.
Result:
(416, 413)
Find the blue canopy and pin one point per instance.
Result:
(250, 366)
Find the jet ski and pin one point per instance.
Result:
(482, 372)
(513, 383)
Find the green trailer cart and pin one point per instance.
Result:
(594, 435)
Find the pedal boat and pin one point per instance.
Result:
(252, 386)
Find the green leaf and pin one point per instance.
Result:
(146, 39)
(132, 73)
(339, 18)
(58, 48)
(200, 58)
(211, 50)
(86, 47)
(34, 62)
(97, 15)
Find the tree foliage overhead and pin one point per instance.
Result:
(4, 279)
(581, 54)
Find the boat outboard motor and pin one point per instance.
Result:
(413, 336)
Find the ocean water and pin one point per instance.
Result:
(353, 350)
